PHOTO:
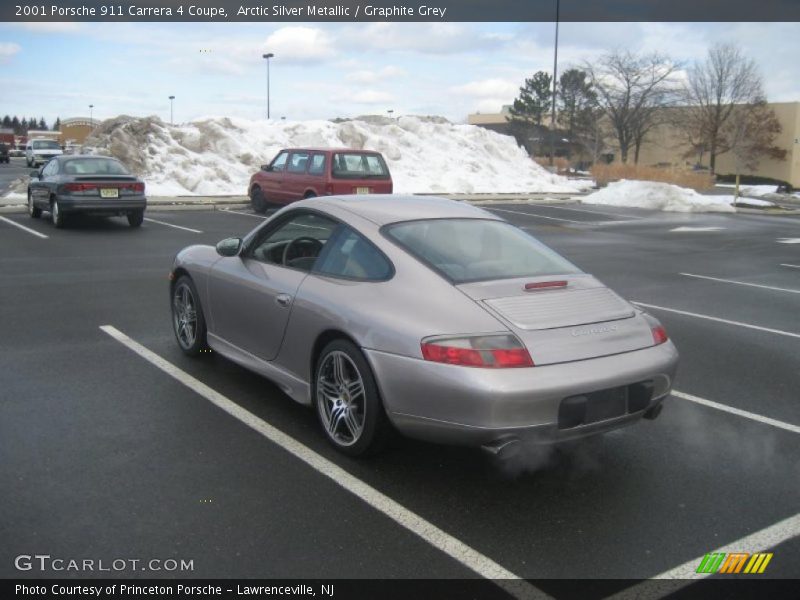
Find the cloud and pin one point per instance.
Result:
(421, 38)
(52, 27)
(372, 76)
(489, 88)
(300, 44)
(371, 97)
(8, 50)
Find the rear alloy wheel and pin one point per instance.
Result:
(56, 216)
(34, 212)
(135, 218)
(188, 321)
(258, 201)
(347, 402)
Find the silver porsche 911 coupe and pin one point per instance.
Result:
(428, 316)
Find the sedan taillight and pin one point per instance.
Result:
(487, 351)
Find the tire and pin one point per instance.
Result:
(136, 218)
(56, 216)
(27, 162)
(347, 401)
(258, 201)
(34, 212)
(188, 321)
(309, 195)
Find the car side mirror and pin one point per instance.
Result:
(229, 247)
(35, 174)
(266, 167)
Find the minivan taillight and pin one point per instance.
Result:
(487, 351)
(659, 334)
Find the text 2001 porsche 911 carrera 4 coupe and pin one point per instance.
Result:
(427, 315)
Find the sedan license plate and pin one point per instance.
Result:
(362, 190)
(109, 192)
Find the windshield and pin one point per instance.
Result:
(104, 166)
(466, 250)
(46, 145)
(354, 165)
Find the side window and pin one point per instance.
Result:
(317, 166)
(280, 161)
(353, 257)
(298, 162)
(296, 242)
(50, 169)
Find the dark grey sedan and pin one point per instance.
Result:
(96, 185)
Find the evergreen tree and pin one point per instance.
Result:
(16, 126)
(577, 103)
(6, 122)
(57, 124)
(43, 124)
(534, 99)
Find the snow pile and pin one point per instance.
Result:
(658, 196)
(752, 191)
(425, 154)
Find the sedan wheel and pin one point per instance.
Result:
(188, 321)
(56, 215)
(34, 212)
(347, 401)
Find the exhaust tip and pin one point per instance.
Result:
(504, 448)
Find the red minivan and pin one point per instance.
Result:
(297, 173)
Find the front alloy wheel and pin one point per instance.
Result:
(188, 322)
(347, 401)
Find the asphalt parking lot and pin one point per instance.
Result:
(106, 454)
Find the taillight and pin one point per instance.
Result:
(487, 351)
(79, 187)
(138, 187)
(659, 334)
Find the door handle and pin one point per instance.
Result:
(283, 299)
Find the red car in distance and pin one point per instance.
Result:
(298, 173)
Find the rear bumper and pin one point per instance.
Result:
(472, 406)
(102, 206)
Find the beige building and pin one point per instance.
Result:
(663, 146)
(76, 130)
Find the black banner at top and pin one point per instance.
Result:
(399, 10)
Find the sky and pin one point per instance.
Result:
(328, 70)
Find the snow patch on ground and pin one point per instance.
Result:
(658, 196)
(754, 191)
(217, 155)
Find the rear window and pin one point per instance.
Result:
(94, 166)
(45, 145)
(354, 165)
(466, 250)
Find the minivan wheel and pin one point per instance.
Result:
(188, 321)
(257, 200)
(347, 401)
(34, 212)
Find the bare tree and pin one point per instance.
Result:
(629, 86)
(712, 91)
(749, 132)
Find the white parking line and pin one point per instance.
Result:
(527, 214)
(28, 229)
(738, 412)
(593, 212)
(766, 287)
(238, 212)
(171, 225)
(710, 318)
(791, 266)
(456, 549)
(762, 540)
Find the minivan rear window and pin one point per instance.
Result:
(355, 165)
(45, 145)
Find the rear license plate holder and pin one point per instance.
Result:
(109, 192)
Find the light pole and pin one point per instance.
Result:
(553, 113)
(267, 56)
(391, 112)
(91, 119)
(171, 98)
